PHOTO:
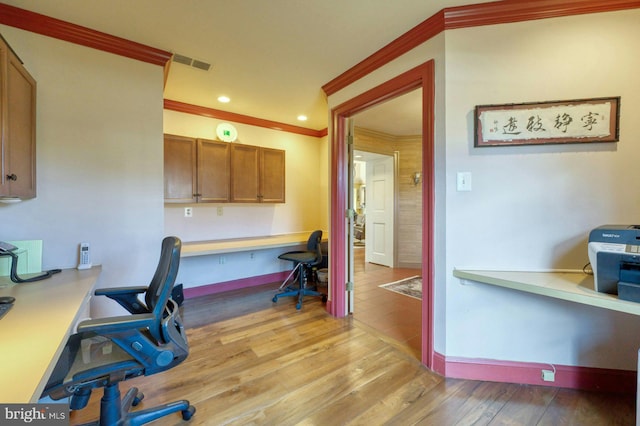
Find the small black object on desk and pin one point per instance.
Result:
(6, 303)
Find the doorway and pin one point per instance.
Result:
(392, 209)
(418, 77)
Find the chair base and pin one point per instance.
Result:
(299, 293)
(114, 411)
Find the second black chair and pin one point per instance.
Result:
(303, 261)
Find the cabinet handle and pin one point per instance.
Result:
(12, 177)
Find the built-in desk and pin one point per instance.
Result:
(202, 248)
(34, 332)
(573, 286)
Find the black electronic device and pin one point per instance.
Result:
(7, 300)
(7, 249)
(5, 307)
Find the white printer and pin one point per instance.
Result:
(614, 253)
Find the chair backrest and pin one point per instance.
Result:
(161, 285)
(314, 243)
(169, 346)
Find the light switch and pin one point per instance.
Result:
(464, 181)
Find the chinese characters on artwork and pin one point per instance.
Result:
(550, 122)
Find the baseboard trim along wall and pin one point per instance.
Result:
(234, 284)
(530, 373)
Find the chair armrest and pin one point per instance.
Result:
(127, 297)
(112, 291)
(110, 325)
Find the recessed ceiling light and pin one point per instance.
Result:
(302, 117)
(224, 99)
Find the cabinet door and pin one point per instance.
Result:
(245, 185)
(272, 175)
(213, 171)
(179, 169)
(18, 97)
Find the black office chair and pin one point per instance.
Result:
(303, 261)
(150, 340)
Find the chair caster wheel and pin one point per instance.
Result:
(324, 299)
(138, 398)
(275, 299)
(188, 413)
(298, 306)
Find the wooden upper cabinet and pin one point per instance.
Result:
(245, 180)
(257, 174)
(208, 171)
(213, 171)
(18, 127)
(180, 178)
(272, 175)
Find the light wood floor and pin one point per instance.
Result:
(255, 362)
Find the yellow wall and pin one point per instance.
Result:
(305, 208)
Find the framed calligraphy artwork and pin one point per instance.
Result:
(554, 122)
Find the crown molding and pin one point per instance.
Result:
(499, 12)
(56, 28)
(507, 11)
(240, 118)
(403, 44)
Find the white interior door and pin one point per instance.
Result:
(379, 211)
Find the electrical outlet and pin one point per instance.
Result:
(548, 376)
(222, 260)
(188, 212)
(220, 211)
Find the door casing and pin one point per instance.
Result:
(422, 76)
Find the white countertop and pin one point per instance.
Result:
(202, 248)
(573, 286)
(35, 331)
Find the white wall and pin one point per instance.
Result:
(305, 208)
(531, 208)
(99, 160)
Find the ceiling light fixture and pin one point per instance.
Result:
(302, 118)
(224, 99)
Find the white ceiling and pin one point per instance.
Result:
(271, 57)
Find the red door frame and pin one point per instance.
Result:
(422, 76)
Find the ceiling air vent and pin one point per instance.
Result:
(201, 65)
(182, 59)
